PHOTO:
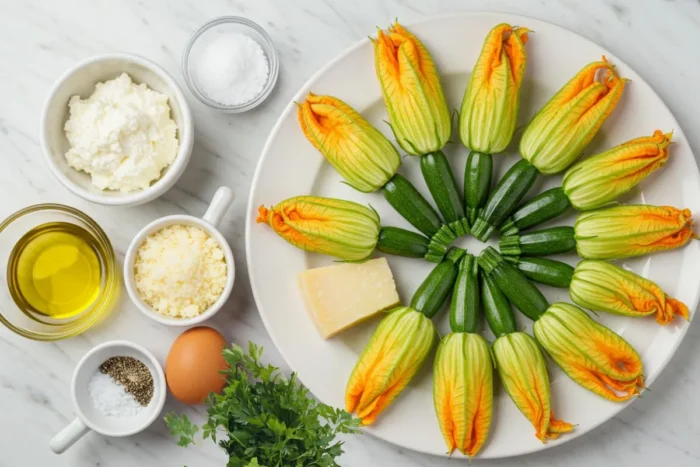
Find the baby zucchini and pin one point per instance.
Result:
(497, 309)
(504, 198)
(545, 271)
(402, 242)
(435, 289)
(540, 242)
(520, 291)
(412, 205)
(441, 182)
(477, 183)
(464, 308)
(543, 207)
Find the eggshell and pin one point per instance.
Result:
(193, 365)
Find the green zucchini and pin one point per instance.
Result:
(436, 250)
(497, 309)
(464, 307)
(441, 182)
(504, 198)
(545, 271)
(543, 207)
(412, 205)
(540, 242)
(402, 242)
(435, 289)
(520, 291)
(477, 183)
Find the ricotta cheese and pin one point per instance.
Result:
(122, 135)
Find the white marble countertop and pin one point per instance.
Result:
(41, 39)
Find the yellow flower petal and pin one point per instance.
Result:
(523, 373)
(560, 131)
(392, 357)
(463, 391)
(631, 230)
(489, 109)
(413, 96)
(591, 354)
(330, 226)
(359, 152)
(601, 286)
(602, 178)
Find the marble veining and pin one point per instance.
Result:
(39, 40)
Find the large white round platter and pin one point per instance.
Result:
(290, 166)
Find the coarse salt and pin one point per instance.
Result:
(180, 271)
(232, 69)
(110, 397)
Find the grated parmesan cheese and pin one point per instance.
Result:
(180, 271)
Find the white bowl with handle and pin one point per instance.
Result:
(223, 198)
(89, 417)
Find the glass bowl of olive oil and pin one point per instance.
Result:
(61, 275)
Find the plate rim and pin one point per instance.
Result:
(289, 108)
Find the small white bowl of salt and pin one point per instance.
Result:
(118, 389)
(230, 64)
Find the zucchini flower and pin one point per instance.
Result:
(463, 368)
(364, 157)
(523, 373)
(489, 109)
(602, 178)
(631, 230)
(410, 83)
(560, 131)
(392, 357)
(463, 391)
(589, 353)
(330, 226)
(601, 286)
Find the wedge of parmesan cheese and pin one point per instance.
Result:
(338, 297)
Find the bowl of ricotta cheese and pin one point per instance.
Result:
(117, 130)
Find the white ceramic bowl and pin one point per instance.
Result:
(209, 222)
(81, 80)
(90, 418)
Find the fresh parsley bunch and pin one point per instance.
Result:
(263, 419)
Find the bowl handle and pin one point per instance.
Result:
(219, 205)
(67, 436)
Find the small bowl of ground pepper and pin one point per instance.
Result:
(118, 389)
(230, 64)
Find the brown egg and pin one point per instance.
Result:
(193, 365)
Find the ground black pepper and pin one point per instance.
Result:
(133, 375)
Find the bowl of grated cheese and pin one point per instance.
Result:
(179, 270)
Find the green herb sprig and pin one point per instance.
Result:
(264, 419)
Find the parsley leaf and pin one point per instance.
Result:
(264, 419)
(181, 426)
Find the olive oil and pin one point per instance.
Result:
(54, 270)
